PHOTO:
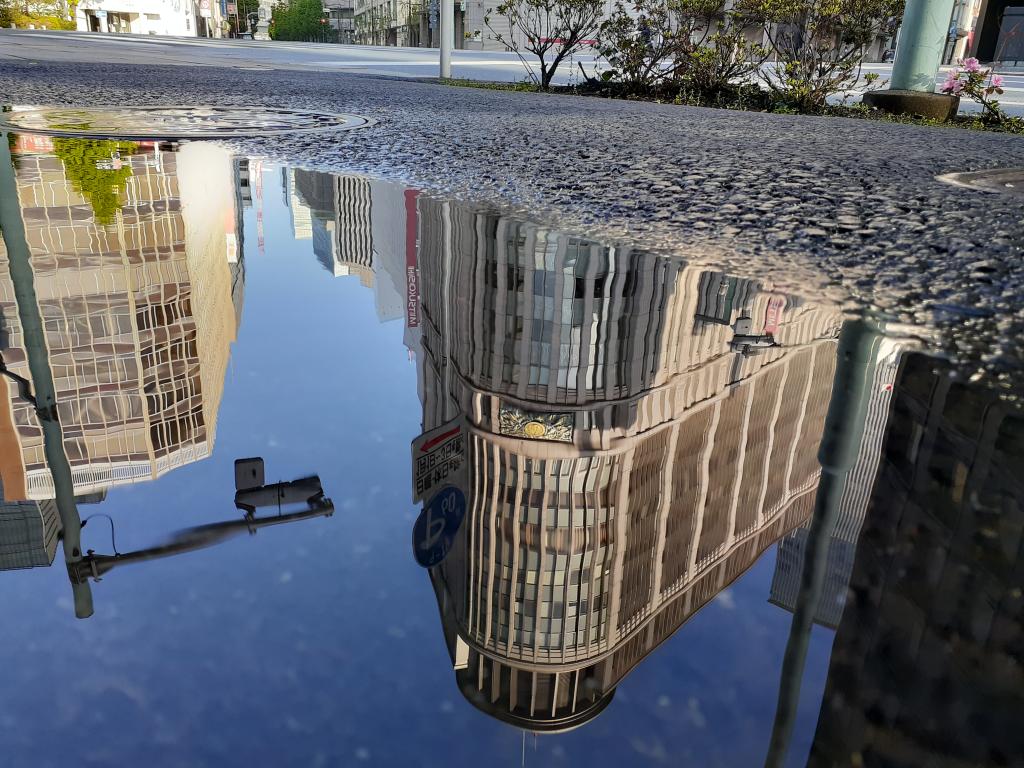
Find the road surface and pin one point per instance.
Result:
(95, 48)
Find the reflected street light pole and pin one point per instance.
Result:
(94, 566)
(42, 378)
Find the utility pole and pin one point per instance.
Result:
(922, 41)
(42, 377)
(447, 36)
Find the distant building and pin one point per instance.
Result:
(416, 23)
(991, 30)
(341, 15)
(181, 18)
(244, 181)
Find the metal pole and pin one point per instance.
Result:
(922, 42)
(39, 366)
(190, 540)
(837, 454)
(447, 36)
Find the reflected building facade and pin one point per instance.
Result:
(927, 667)
(639, 431)
(138, 272)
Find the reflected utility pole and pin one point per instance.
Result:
(840, 446)
(42, 378)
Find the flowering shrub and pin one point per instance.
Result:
(974, 81)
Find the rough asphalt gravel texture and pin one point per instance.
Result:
(849, 204)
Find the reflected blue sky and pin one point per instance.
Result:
(320, 643)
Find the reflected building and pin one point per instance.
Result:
(638, 431)
(853, 506)
(29, 531)
(927, 666)
(341, 224)
(298, 212)
(359, 228)
(138, 275)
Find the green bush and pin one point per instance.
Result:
(694, 49)
(701, 52)
(819, 44)
(299, 20)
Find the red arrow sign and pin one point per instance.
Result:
(439, 439)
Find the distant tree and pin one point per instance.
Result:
(561, 28)
(819, 44)
(52, 14)
(298, 20)
(95, 170)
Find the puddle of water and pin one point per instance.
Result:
(668, 513)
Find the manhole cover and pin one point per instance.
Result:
(143, 123)
(1007, 180)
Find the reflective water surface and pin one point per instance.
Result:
(513, 496)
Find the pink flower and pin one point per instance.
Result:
(997, 81)
(971, 65)
(952, 82)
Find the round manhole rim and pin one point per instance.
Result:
(343, 121)
(1006, 181)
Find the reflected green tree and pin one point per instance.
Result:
(94, 168)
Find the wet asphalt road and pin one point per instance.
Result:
(87, 47)
(848, 203)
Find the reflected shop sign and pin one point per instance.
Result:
(412, 274)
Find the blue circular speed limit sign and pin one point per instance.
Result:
(435, 528)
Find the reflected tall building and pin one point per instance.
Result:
(298, 212)
(359, 228)
(639, 431)
(138, 277)
(927, 666)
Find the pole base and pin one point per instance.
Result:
(936, 106)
